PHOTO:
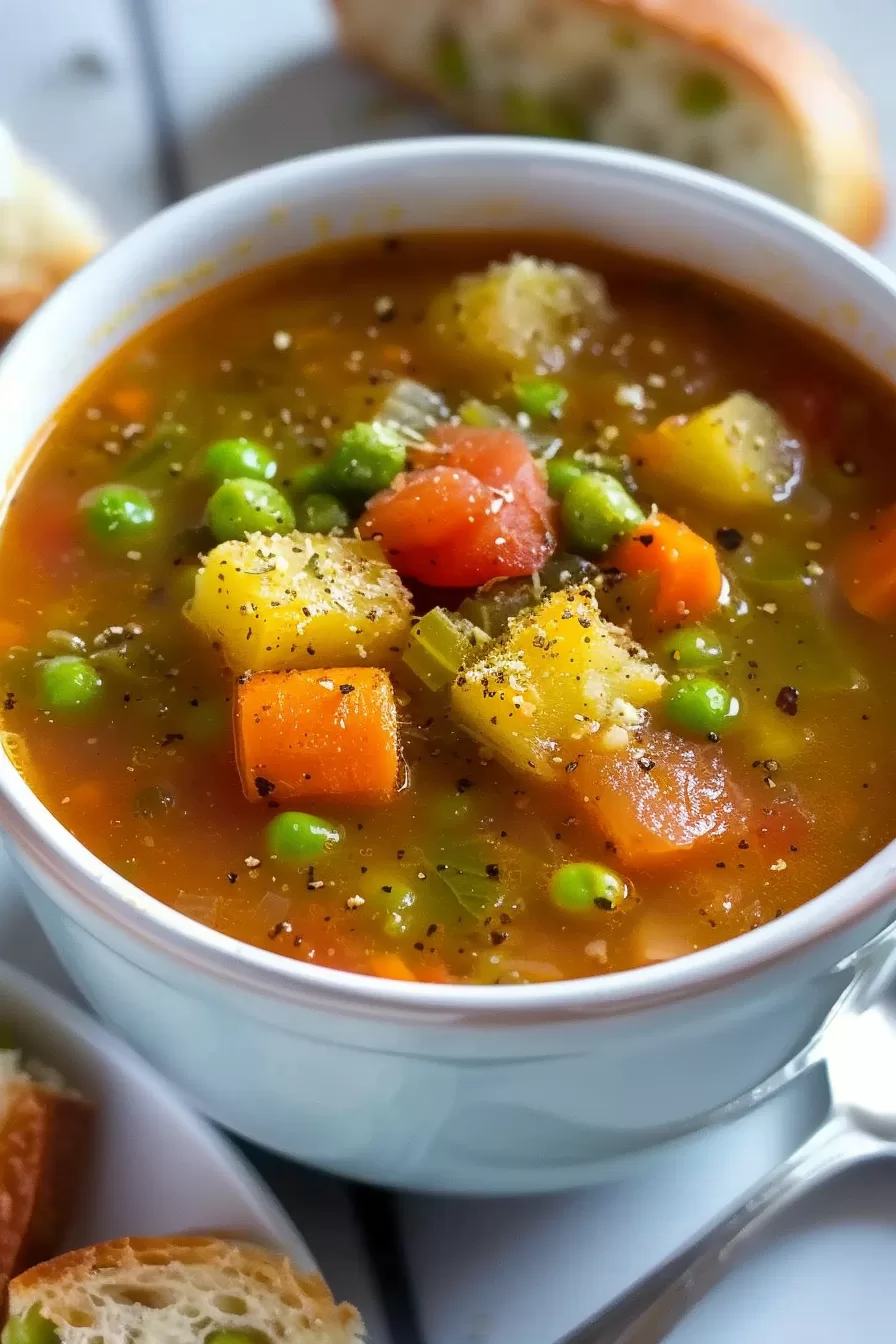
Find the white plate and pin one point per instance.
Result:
(155, 1168)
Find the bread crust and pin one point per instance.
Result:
(243, 1263)
(44, 1135)
(831, 115)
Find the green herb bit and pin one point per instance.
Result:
(702, 93)
(450, 61)
(439, 644)
(480, 415)
(470, 876)
(540, 397)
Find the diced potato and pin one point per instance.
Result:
(523, 314)
(561, 673)
(739, 454)
(274, 603)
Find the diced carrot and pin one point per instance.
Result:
(326, 733)
(658, 804)
(867, 568)
(88, 796)
(434, 972)
(11, 633)
(483, 512)
(132, 403)
(389, 966)
(687, 568)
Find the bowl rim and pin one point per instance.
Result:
(88, 882)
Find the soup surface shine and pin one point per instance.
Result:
(673, 721)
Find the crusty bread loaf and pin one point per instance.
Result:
(44, 1132)
(46, 233)
(180, 1290)
(710, 82)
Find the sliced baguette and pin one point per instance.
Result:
(709, 82)
(46, 233)
(44, 1134)
(180, 1290)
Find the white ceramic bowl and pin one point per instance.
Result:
(155, 1167)
(443, 1087)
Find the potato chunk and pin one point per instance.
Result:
(561, 674)
(302, 600)
(523, 314)
(739, 454)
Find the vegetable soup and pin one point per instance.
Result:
(463, 608)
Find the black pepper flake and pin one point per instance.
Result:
(10, 700)
(646, 763)
(497, 937)
(572, 765)
(492, 870)
(172, 737)
(346, 687)
(646, 538)
(787, 700)
(464, 784)
(231, 877)
(264, 786)
(433, 928)
(729, 538)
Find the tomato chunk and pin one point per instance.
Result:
(658, 804)
(483, 512)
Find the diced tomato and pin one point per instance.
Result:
(658, 804)
(482, 513)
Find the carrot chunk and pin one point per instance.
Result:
(658, 804)
(389, 966)
(132, 403)
(325, 733)
(867, 568)
(687, 568)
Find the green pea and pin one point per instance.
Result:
(299, 836)
(237, 1337)
(702, 93)
(69, 684)
(32, 1328)
(452, 68)
(313, 479)
(242, 506)
(582, 887)
(322, 513)
(596, 509)
(702, 706)
(694, 647)
(368, 458)
(120, 516)
(562, 471)
(540, 397)
(231, 458)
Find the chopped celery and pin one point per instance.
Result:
(438, 645)
(413, 408)
(481, 416)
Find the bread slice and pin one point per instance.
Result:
(44, 1133)
(180, 1290)
(46, 233)
(714, 83)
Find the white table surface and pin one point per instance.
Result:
(137, 101)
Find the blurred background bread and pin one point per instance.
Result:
(713, 83)
(46, 233)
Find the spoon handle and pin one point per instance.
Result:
(647, 1312)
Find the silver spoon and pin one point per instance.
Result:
(858, 1047)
